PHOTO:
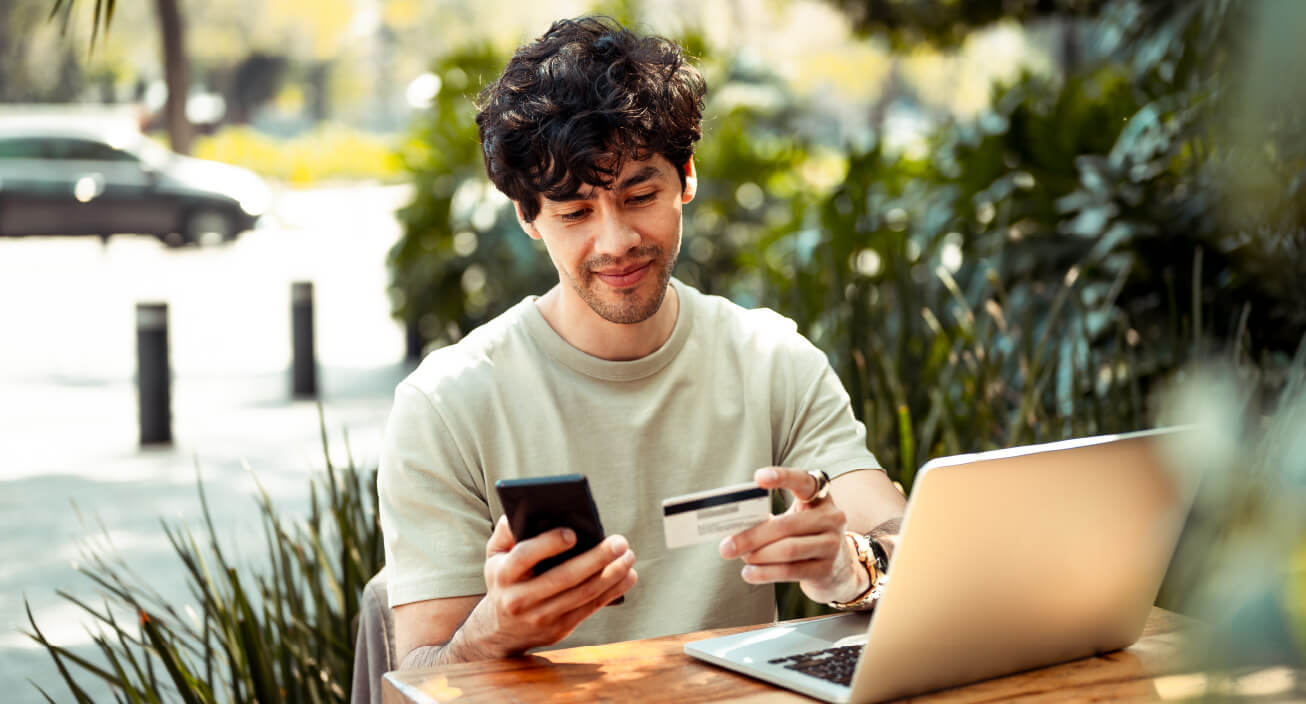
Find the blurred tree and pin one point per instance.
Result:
(907, 22)
(248, 49)
(33, 69)
(252, 50)
(176, 63)
(14, 18)
(176, 71)
(255, 80)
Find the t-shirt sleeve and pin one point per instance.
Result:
(434, 515)
(822, 432)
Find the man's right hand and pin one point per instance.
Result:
(521, 610)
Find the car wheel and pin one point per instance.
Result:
(206, 225)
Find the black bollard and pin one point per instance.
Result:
(153, 373)
(304, 362)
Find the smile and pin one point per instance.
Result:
(626, 278)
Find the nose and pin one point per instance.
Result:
(616, 235)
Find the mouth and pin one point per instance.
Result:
(624, 278)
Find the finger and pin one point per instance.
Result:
(788, 572)
(826, 518)
(501, 539)
(528, 553)
(619, 589)
(590, 592)
(575, 616)
(822, 546)
(796, 481)
(611, 595)
(586, 565)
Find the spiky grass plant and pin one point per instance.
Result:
(280, 631)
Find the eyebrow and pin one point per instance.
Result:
(640, 176)
(644, 174)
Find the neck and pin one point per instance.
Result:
(589, 332)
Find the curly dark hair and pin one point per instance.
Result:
(575, 104)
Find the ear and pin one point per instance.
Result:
(691, 182)
(527, 227)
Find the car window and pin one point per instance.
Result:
(25, 148)
(87, 150)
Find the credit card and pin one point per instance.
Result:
(713, 514)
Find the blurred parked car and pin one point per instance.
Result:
(94, 177)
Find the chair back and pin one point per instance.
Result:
(374, 647)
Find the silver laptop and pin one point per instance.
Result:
(1008, 561)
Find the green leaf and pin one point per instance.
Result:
(57, 654)
(172, 662)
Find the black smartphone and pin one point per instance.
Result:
(538, 504)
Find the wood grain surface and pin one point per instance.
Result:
(657, 670)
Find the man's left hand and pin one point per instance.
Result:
(806, 544)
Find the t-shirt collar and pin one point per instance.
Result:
(629, 370)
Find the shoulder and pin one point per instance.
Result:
(755, 330)
(461, 369)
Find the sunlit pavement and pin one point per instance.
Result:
(70, 465)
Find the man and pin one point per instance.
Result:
(621, 373)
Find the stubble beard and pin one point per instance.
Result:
(630, 308)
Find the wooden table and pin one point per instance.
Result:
(657, 670)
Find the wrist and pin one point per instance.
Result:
(872, 562)
(473, 640)
(455, 651)
(859, 580)
(464, 648)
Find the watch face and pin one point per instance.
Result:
(881, 557)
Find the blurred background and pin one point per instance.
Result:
(1005, 222)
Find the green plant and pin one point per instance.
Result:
(279, 631)
(948, 338)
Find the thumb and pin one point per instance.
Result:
(501, 539)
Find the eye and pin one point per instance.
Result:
(642, 198)
(574, 216)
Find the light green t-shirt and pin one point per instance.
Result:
(730, 391)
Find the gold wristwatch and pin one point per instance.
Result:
(876, 561)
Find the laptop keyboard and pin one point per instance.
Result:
(833, 664)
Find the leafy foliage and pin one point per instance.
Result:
(101, 15)
(463, 259)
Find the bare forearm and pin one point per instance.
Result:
(871, 501)
(458, 649)
(426, 656)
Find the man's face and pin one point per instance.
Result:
(615, 248)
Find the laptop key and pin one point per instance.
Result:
(832, 664)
